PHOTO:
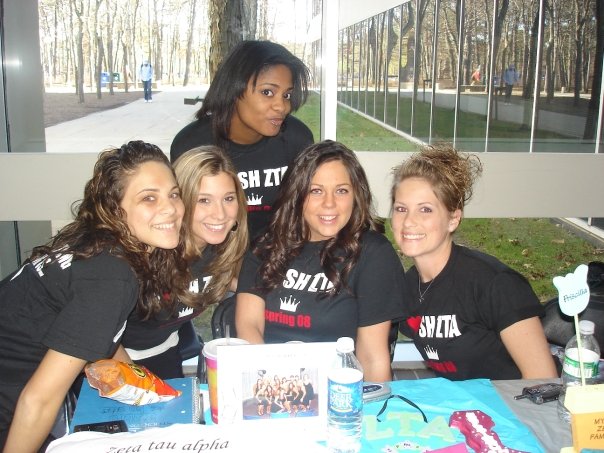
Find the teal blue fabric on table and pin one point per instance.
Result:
(438, 398)
(402, 428)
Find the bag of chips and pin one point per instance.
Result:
(128, 383)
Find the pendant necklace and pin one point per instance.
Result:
(419, 288)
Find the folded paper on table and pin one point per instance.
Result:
(93, 408)
(586, 406)
(402, 427)
(191, 438)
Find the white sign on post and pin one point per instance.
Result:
(573, 291)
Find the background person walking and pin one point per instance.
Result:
(510, 77)
(146, 75)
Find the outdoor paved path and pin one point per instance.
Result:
(156, 122)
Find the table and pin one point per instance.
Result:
(542, 419)
(520, 424)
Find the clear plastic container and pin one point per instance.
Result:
(345, 400)
(571, 369)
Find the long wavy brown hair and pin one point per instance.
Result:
(190, 169)
(100, 224)
(288, 231)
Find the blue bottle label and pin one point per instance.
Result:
(345, 399)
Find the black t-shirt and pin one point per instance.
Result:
(76, 307)
(153, 342)
(260, 166)
(296, 311)
(457, 327)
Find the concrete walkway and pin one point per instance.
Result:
(156, 122)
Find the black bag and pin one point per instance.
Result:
(559, 328)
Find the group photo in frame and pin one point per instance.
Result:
(281, 383)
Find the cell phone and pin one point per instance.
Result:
(110, 427)
(541, 393)
(373, 391)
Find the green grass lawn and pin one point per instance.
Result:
(354, 131)
(539, 249)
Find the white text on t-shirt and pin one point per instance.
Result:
(301, 281)
(441, 326)
(252, 178)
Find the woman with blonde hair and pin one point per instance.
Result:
(215, 237)
(470, 315)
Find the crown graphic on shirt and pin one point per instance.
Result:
(186, 311)
(431, 353)
(289, 304)
(254, 200)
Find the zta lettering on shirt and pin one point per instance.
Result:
(271, 177)
(441, 326)
(194, 286)
(311, 283)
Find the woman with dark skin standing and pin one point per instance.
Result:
(246, 111)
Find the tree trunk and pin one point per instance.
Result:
(580, 18)
(189, 42)
(109, 33)
(408, 68)
(594, 103)
(79, 50)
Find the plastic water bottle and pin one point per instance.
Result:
(571, 373)
(345, 400)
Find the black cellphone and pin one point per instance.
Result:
(373, 391)
(110, 427)
(541, 393)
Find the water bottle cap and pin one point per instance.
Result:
(345, 344)
(587, 327)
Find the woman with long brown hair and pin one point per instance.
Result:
(323, 270)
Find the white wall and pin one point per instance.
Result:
(512, 185)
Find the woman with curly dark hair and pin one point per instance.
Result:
(215, 237)
(323, 270)
(68, 304)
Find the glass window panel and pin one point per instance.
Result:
(406, 69)
(564, 122)
(473, 96)
(392, 65)
(423, 71)
(446, 73)
(512, 106)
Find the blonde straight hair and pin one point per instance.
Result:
(190, 169)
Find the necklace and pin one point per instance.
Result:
(419, 288)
